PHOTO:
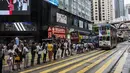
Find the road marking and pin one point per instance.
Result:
(105, 65)
(95, 63)
(69, 63)
(81, 63)
(121, 63)
(30, 70)
(102, 69)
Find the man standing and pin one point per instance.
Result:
(55, 50)
(62, 48)
(33, 52)
(39, 52)
(44, 48)
(65, 48)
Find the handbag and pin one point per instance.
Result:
(17, 58)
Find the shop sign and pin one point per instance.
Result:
(61, 18)
(58, 32)
(60, 35)
(74, 35)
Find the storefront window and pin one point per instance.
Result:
(76, 22)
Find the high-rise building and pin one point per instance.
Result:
(102, 11)
(119, 8)
(77, 7)
(127, 11)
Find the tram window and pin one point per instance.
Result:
(100, 38)
(103, 28)
(104, 38)
(100, 28)
(108, 38)
(107, 28)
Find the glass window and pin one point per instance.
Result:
(104, 38)
(103, 28)
(67, 2)
(108, 38)
(108, 27)
(100, 38)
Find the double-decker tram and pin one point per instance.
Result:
(107, 36)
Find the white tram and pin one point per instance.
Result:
(107, 36)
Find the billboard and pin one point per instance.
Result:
(61, 18)
(14, 7)
(54, 2)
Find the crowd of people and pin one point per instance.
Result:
(45, 51)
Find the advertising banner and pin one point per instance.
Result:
(61, 18)
(14, 7)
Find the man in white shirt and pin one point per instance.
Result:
(26, 56)
(14, 46)
(39, 52)
(65, 47)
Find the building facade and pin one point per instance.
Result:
(43, 19)
(119, 8)
(77, 7)
(66, 21)
(102, 11)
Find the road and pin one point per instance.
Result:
(96, 61)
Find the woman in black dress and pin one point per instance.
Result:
(18, 57)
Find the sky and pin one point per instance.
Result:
(127, 2)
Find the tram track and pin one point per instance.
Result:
(108, 67)
(68, 68)
(86, 63)
(114, 67)
(67, 64)
(98, 61)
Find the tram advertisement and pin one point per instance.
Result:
(14, 7)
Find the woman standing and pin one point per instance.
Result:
(50, 51)
(18, 57)
(44, 48)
